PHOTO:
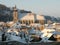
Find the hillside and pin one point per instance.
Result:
(52, 18)
(6, 14)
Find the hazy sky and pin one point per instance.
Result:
(47, 7)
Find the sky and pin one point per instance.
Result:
(42, 7)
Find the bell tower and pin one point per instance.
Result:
(15, 14)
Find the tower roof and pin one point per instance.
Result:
(15, 8)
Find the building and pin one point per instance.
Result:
(30, 18)
(15, 14)
(27, 18)
(9, 24)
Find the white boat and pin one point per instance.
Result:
(26, 38)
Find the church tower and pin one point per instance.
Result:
(15, 14)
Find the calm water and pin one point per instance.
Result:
(18, 43)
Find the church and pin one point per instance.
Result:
(27, 18)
